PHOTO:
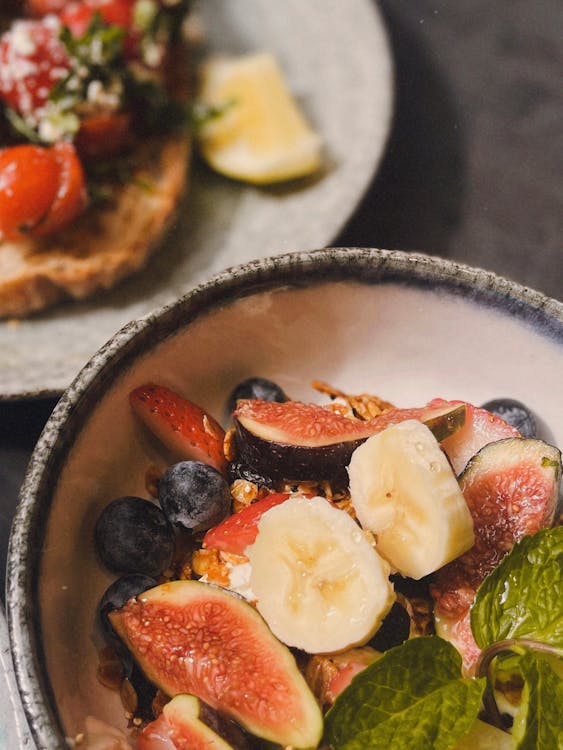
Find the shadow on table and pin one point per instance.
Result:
(21, 423)
(414, 202)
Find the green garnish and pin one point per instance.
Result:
(412, 697)
(522, 597)
(200, 114)
(20, 126)
(538, 722)
(519, 609)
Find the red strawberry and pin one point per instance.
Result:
(238, 531)
(182, 426)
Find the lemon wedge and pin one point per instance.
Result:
(260, 135)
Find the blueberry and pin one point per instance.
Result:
(260, 388)
(515, 413)
(120, 591)
(133, 536)
(194, 495)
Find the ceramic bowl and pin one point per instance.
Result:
(404, 326)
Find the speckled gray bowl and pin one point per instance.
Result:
(405, 326)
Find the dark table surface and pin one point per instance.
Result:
(473, 169)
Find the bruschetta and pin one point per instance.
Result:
(95, 145)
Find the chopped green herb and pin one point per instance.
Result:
(200, 114)
(20, 126)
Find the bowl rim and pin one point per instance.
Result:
(291, 269)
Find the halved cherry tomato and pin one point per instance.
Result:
(43, 7)
(70, 199)
(236, 532)
(28, 187)
(41, 189)
(103, 134)
(32, 61)
(77, 17)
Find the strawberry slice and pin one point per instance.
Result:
(182, 426)
(238, 531)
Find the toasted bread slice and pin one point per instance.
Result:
(106, 243)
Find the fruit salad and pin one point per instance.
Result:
(341, 575)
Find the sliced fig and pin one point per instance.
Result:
(480, 428)
(180, 727)
(297, 441)
(511, 487)
(190, 637)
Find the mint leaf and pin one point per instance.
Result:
(539, 721)
(483, 736)
(412, 698)
(523, 596)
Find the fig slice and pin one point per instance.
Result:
(297, 441)
(511, 488)
(191, 637)
(180, 726)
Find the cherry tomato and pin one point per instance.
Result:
(41, 189)
(77, 17)
(43, 7)
(28, 186)
(32, 61)
(70, 199)
(102, 134)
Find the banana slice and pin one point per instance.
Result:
(319, 583)
(404, 491)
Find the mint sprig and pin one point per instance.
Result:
(519, 609)
(538, 722)
(412, 697)
(522, 597)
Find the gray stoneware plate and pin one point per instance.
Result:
(337, 61)
(407, 327)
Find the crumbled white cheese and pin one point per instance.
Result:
(96, 51)
(55, 124)
(22, 40)
(239, 580)
(106, 97)
(153, 54)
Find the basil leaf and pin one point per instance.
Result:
(539, 721)
(523, 596)
(412, 698)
